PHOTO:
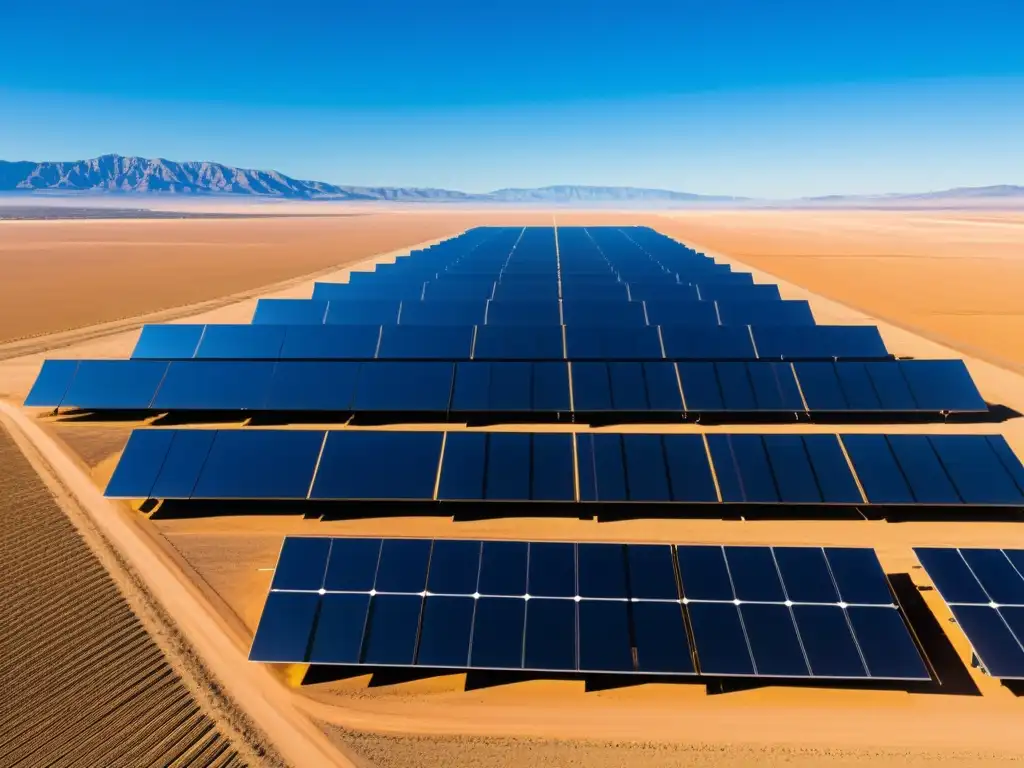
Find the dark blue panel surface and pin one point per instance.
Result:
(773, 641)
(331, 342)
(820, 386)
(454, 567)
(114, 384)
(828, 642)
(471, 391)
(805, 575)
(754, 575)
(552, 468)
(552, 569)
(718, 291)
(445, 632)
(707, 343)
(942, 385)
(951, 575)
(660, 638)
(602, 468)
(503, 567)
(285, 627)
(583, 343)
(425, 342)
(52, 382)
(498, 629)
(605, 644)
(352, 311)
(391, 630)
(550, 635)
(975, 469)
(1007, 458)
(404, 387)
(858, 576)
(689, 470)
(602, 570)
(403, 565)
(507, 473)
(363, 465)
(704, 573)
(241, 342)
(509, 385)
(887, 381)
(765, 312)
(168, 342)
(791, 466)
(737, 389)
(312, 387)
(651, 576)
(879, 474)
(550, 386)
(289, 312)
(701, 389)
(995, 645)
(662, 384)
(618, 314)
(140, 464)
(742, 468)
(927, 479)
(495, 342)
(629, 390)
(183, 463)
(353, 565)
(774, 387)
(718, 636)
(301, 563)
(819, 342)
(668, 294)
(832, 470)
(591, 387)
(204, 385)
(464, 469)
(886, 645)
(465, 313)
(997, 575)
(685, 313)
(646, 474)
(544, 313)
(259, 464)
(338, 638)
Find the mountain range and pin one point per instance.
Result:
(126, 175)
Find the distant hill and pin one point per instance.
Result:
(117, 174)
(1000, 191)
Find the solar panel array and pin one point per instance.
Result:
(984, 589)
(783, 612)
(346, 464)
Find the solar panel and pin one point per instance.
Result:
(984, 589)
(567, 607)
(312, 386)
(168, 342)
(819, 342)
(730, 291)
(403, 387)
(506, 387)
(425, 342)
(114, 384)
(640, 343)
(206, 385)
(364, 311)
(545, 313)
(357, 464)
(289, 312)
(331, 342)
(494, 342)
(707, 343)
(625, 387)
(596, 314)
(501, 466)
(687, 313)
(765, 312)
(466, 313)
(241, 342)
(53, 381)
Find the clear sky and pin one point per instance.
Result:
(747, 97)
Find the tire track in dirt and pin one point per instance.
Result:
(83, 681)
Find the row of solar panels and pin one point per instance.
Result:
(477, 388)
(539, 290)
(783, 612)
(984, 589)
(976, 470)
(485, 312)
(476, 269)
(500, 342)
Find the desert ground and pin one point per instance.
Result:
(915, 274)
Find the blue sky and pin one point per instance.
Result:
(748, 97)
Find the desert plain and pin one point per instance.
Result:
(938, 284)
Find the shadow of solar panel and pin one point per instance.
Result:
(203, 385)
(364, 311)
(685, 313)
(331, 342)
(403, 387)
(543, 313)
(378, 465)
(168, 342)
(289, 312)
(596, 314)
(765, 312)
(732, 292)
(114, 384)
(518, 343)
(53, 381)
(466, 313)
(707, 343)
(298, 386)
(139, 466)
(242, 342)
(260, 464)
(641, 343)
(416, 342)
(821, 342)
(942, 385)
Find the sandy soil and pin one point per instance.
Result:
(967, 719)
